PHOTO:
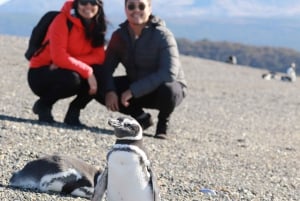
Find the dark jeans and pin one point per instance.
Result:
(165, 98)
(53, 85)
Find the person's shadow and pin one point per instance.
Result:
(56, 124)
(92, 129)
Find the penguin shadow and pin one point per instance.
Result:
(37, 191)
(8, 187)
(92, 129)
(148, 135)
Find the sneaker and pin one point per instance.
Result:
(72, 117)
(145, 120)
(162, 129)
(43, 111)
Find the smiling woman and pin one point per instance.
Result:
(87, 8)
(70, 62)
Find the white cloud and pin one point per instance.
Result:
(230, 8)
(199, 9)
(172, 3)
(258, 8)
(210, 8)
(3, 1)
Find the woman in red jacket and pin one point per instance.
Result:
(68, 64)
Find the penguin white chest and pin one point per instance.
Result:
(128, 178)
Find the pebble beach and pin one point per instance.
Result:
(235, 137)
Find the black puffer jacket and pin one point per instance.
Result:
(150, 60)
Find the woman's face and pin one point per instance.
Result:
(138, 11)
(87, 8)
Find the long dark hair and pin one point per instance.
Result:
(97, 33)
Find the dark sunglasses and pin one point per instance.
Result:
(85, 2)
(132, 6)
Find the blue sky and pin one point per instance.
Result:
(217, 8)
(213, 8)
(258, 22)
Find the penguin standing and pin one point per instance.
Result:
(57, 174)
(128, 175)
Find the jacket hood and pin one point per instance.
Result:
(69, 11)
(156, 21)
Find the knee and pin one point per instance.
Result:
(73, 79)
(166, 90)
(169, 93)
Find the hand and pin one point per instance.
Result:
(53, 67)
(93, 84)
(126, 96)
(112, 101)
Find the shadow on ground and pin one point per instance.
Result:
(7, 187)
(57, 124)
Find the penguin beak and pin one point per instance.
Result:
(114, 122)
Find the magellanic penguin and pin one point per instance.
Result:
(55, 173)
(128, 175)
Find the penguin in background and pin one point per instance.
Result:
(128, 175)
(55, 173)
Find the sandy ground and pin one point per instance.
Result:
(235, 133)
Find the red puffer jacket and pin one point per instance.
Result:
(69, 49)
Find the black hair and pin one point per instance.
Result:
(97, 33)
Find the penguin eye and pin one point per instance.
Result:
(120, 119)
(127, 125)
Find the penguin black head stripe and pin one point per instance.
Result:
(126, 128)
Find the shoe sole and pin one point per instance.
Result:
(161, 136)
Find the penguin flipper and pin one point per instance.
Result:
(101, 186)
(155, 188)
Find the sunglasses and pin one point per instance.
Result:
(85, 2)
(132, 6)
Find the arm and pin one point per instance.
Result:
(101, 186)
(167, 67)
(96, 56)
(112, 60)
(60, 36)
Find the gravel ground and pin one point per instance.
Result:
(235, 134)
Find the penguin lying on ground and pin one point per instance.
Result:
(57, 174)
(128, 176)
(271, 76)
